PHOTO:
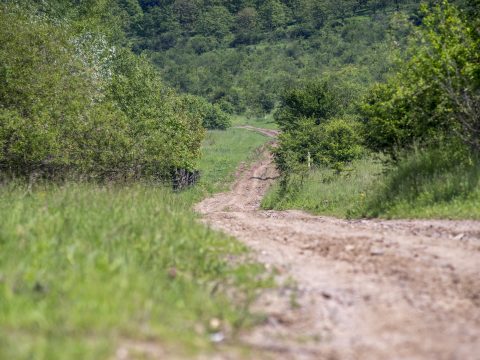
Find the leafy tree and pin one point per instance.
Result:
(187, 12)
(216, 21)
(316, 100)
(71, 103)
(273, 14)
(436, 93)
(213, 117)
(247, 19)
(315, 127)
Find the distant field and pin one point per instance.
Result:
(87, 268)
(265, 122)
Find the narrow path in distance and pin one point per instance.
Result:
(362, 289)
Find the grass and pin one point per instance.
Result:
(223, 151)
(429, 184)
(265, 122)
(327, 193)
(85, 268)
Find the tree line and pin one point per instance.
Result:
(240, 54)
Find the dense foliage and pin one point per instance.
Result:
(435, 95)
(240, 54)
(316, 126)
(423, 121)
(74, 101)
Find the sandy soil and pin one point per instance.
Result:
(362, 289)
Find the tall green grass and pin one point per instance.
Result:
(85, 268)
(423, 184)
(427, 184)
(326, 192)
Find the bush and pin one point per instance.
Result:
(316, 127)
(216, 118)
(211, 116)
(318, 100)
(339, 143)
(436, 93)
(73, 104)
(51, 116)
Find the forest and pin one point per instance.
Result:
(146, 146)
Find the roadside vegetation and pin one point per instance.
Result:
(103, 103)
(422, 122)
(97, 252)
(86, 270)
(89, 268)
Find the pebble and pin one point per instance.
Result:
(376, 252)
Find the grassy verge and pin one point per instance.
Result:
(427, 184)
(85, 268)
(324, 192)
(423, 185)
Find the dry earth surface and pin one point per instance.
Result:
(360, 289)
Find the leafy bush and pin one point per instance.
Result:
(436, 93)
(334, 143)
(339, 143)
(212, 116)
(317, 100)
(72, 103)
(316, 127)
(216, 118)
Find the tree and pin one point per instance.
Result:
(216, 21)
(316, 100)
(187, 12)
(273, 14)
(435, 96)
(247, 19)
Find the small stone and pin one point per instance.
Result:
(349, 248)
(376, 252)
(214, 324)
(326, 295)
(217, 337)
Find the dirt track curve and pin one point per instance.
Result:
(364, 289)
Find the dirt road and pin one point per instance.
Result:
(363, 289)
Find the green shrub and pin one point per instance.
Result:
(71, 103)
(216, 118)
(339, 143)
(212, 116)
(318, 100)
(436, 93)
